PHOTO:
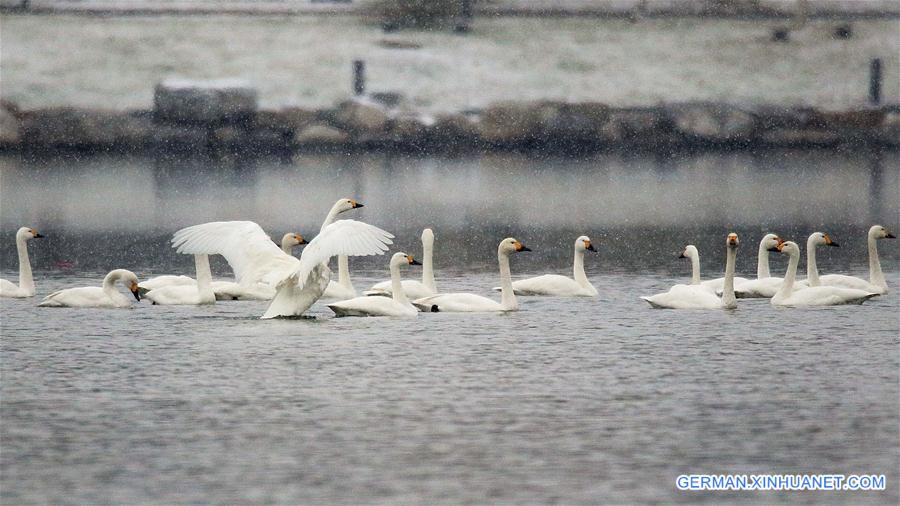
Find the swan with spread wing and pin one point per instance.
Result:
(299, 283)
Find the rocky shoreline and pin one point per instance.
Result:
(223, 118)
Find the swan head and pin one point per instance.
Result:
(820, 238)
(773, 245)
(401, 258)
(344, 205)
(511, 245)
(129, 280)
(879, 232)
(291, 239)
(584, 243)
(788, 248)
(770, 242)
(690, 251)
(428, 236)
(732, 241)
(28, 233)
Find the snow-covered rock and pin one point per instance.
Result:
(204, 102)
(713, 121)
(318, 134)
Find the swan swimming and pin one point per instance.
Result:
(229, 290)
(94, 296)
(561, 286)
(467, 302)
(812, 271)
(788, 295)
(714, 285)
(396, 305)
(876, 282)
(26, 281)
(764, 286)
(412, 288)
(698, 297)
(199, 293)
(298, 283)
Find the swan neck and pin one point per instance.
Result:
(812, 270)
(428, 265)
(876, 277)
(508, 297)
(286, 247)
(762, 261)
(109, 283)
(204, 277)
(26, 280)
(728, 298)
(332, 215)
(344, 271)
(695, 269)
(790, 276)
(578, 269)
(397, 285)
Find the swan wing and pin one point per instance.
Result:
(457, 303)
(840, 280)
(343, 237)
(685, 297)
(247, 248)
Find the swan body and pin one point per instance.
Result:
(158, 282)
(876, 282)
(696, 296)
(790, 296)
(94, 296)
(199, 293)
(561, 286)
(467, 302)
(397, 305)
(25, 288)
(299, 283)
(412, 288)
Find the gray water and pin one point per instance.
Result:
(565, 401)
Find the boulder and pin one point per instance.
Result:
(512, 122)
(204, 102)
(409, 129)
(361, 117)
(563, 122)
(319, 134)
(713, 122)
(70, 127)
(288, 120)
(644, 125)
(454, 128)
(9, 128)
(181, 138)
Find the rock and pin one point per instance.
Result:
(713, 122)
(643, 125)
(572, 122)
(511, 122)
(289, 120)
(455, 127)
(408, 129)
(69, 127)
(9, 128)
(800, 137)
(852, 120)
(181, 138)
(318, 134)
(361, 117)
(204, 102)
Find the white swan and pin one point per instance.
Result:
(561, 286)
(412, 288)
(95, 296)
(714, 285)
(467, 302)
(397, 305)
(698, 297)
(199, 293)
(158, 282)
(765, 285)
(812, 271)
(876, 282)
(229, 290)
(789, 295)
(341, 289)
(26, 281)
(299, 283)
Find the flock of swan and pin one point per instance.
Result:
(265, 271)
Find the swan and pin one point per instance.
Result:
(158, 282)
(876, 282)
(467, 302)
(812, 271)
(788, 295)
(26, 281)
(696, 296)
(95, 296)
(412, 288)
(299, 283)
(764, 286)
(397, 305)
(229, 290)
(199, 293)
(561, 286)
(341, 289)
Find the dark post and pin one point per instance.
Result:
(359, 77)
(875, 81)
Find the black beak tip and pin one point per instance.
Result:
(137, 295)
(525, 248)
(836, 245)
(415, 262)
(358, 204)
(39, 236)
(591, 248)
(891, 236)
(682, 256)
